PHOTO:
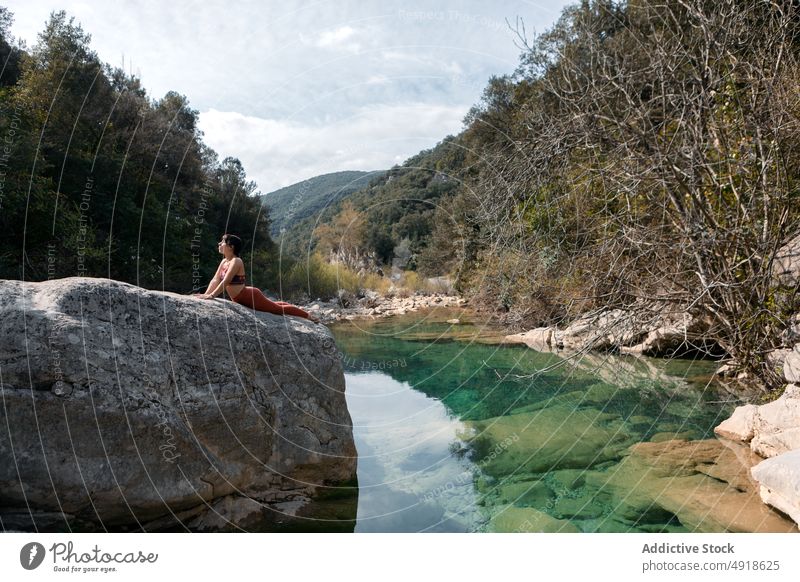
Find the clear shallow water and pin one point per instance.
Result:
(454, 434)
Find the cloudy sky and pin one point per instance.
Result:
(298, 89)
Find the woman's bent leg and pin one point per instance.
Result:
(255, 299)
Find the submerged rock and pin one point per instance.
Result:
(136, 409)
(511, 519)
(557, 437)
(703, 485)
(524, 493)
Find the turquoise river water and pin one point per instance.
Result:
(456, 432)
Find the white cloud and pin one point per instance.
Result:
(340, 38)
(420, 62)
(335, 37)
(377, 80)
(277, 153)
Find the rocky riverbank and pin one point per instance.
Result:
(372, 305)
(772, 431)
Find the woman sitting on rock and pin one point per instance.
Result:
(229, 278)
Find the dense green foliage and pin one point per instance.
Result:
(100, 180)
(402, 206)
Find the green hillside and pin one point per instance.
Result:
(394, 212)
(294, 203)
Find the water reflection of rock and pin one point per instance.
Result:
(645, 375)
(626, 372)
(679, 395)
(622, 371)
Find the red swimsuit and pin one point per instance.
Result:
(255, 299)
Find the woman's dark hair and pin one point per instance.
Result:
(233, 241)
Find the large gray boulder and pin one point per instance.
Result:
(124, 408)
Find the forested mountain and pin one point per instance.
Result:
(396, 210)
(290, 205)
(98, 179)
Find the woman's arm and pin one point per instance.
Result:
(215, 280)
(232, 270)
